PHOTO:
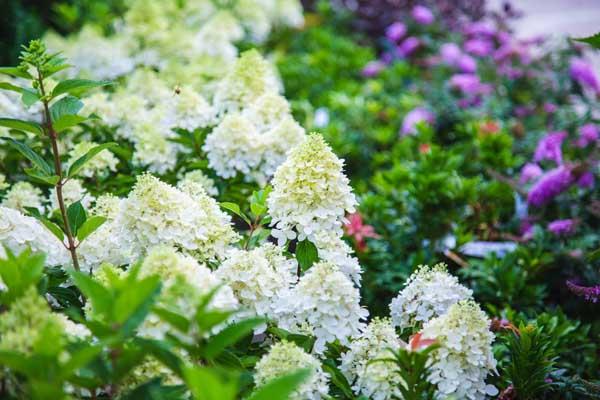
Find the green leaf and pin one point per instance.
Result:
(206, 384)
(14, 71)
(93, 291)
(26, 126)
(51, 180)
(32, 156)
(77, 87)
(29, 97)
(178, 321)
(132, 306)
(81, 161)
(67, 121)
(337, 378)
(89, 226)
(306, 254)
(593, 40)
(234, 208)
(52, 227)
(11, 87)
(68, 105)
(76, 216)
(230, 335)
(281, 388)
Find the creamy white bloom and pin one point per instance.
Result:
(23, 195)
(107, 205)
(196, 182)
(323, 303)
(258, 277)
(191, 110)
(465, 358)
(428, 293)
(102, 162)
(310, 192)
(286, 357)
(375, 380)
(72, 192)
(73, 330)
(216, 37)
(334, 249)
(3, 184)
(157, 213)
(18, 232)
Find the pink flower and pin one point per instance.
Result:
(373, 68)
(469, 84)
(530, 172)
(414, 117)
(550, 185)
(562, 227)
(450, 53)
(583, 73)
(408, 46)
(479, 29)
(588, 133)
(467, 64)
(395, 31)
(422, 15)
(356, 229)
(417, 343)
(549, 147)
(479, 47)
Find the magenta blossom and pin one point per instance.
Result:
(562, 227)
(479, 29)
(550, 108)
(586, 180)
(530, 172)
(450, 53)
(408, 46)
(467, 64)
(582, 72)
(372, 68)
(591, 293)
(588, 133)
(526, 229)
(479, 47)
(422, 15)
(549, 147)
(395, 31)
(469, 84)
(550, 185)
(414, 117)
(359, 231)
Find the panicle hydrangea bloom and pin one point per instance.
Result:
(217, 35)
(323, 303)
(258, 277)
(157, 213)
(196, 182)
(310, 192)
(152, 147)
(73, 191)
(334, 249)
(550, 185)
(375, 380)
(549, 147)
(73, 330)
(464, 359)
(3, 184)
(101, 163)
(428, 293)
(23, 195)
(286, 357)
(107, 206)
(18, 232)
(191, 110)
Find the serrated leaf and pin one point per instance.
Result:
(76, 216)
(68, 105)
(77, 86)
(306, 254)
(32, 156)
(14, 71)
(230, 335)
(593, 40)
(280, 388)
(89, 226)
(81, 161)
(27, 126)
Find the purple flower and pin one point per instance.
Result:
(550, 185)
(523, 111)
(526, 229)
(479, 47)
(549, 147)
(479, 29)
(582, 72)
(414, 117)
(562, 227)
(591, 293)
(586, 180)
(550, 108)
(469, 84)
(408, 46)
(467, 64)
(422, 15)
(588, 133)
(372, 68)
(395, 31)
(450, 53)
(530, 172)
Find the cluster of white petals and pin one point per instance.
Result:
(258, 277)
(18, 232)
(310, 192)
(465, 358)
(286, 357)
(196, 182)
(324, 303)
(429, 293)
(72, 191)
(157, 213)
(22, 195)
(103, 162)
(334, 249)
(3, 184)
(375, 380)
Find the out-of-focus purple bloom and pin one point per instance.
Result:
(469, 84)
(450, 53)
(523, 111)
(550, 108)
(479, 29)
(586, 180)
(467, 64)
(562, 227)
(510, 72)
(591, 293)
(526, 229)
(582, 72)
(513, 49)
(372, 68)
(504, 37)
(422, 15)
(588, 133)
(408, 46)
(395, 31)
(415, 116)
(549, 147)
(530, 172)
(550, 185)
(479, 47)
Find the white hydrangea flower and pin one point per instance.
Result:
(3, 184)
(323, 303)
(267, 111)
(217, 35)
(107, 205)
(375, 380)
(73, 330)
(286, 357)
(288, 13)
(310, 192)
(428, 293)
(465, 358)
(258, 277)
(334, 249)
(105, 107)
(23, 195)
(153, 150)
(72, 192)
(191, 110)
(196, 182)
(255, 18)
(101, 163)
(157, 213)
(18, 232)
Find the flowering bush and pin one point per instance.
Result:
(174, 226)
